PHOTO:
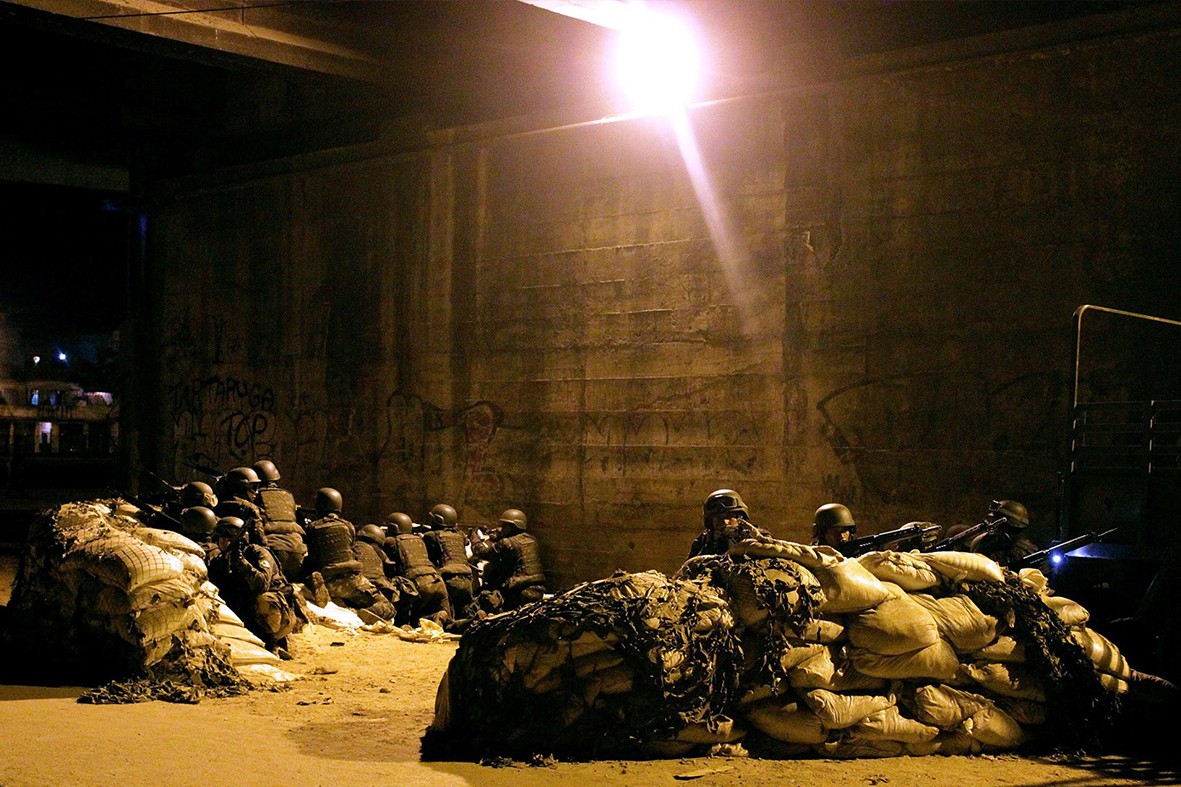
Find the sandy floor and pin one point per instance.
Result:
(356, 719)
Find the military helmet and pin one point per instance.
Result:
(328, 501)
(228, 527)
(198, 520)
(832, 516)
(722, 502)
(1015, 514)
(197, 493)
(266, 470)
(402, 523)
(442, 517)
(515, 519)
(239, 481)
(371, 533)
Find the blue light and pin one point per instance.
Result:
(61, 356)
(1056, 559)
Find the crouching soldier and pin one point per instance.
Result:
(414, 563)
(198, 524)
(252, 584)
(285, 536)
(448, 551)
(514, 562)
(330, 554)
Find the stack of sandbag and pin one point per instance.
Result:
(630, 664)
(248, 653)
(903, 659)
(98, 596)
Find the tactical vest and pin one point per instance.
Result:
(239, 507)
(450, 551)
(278, 506)
(528, 570)
(330, 541)
(412, 556)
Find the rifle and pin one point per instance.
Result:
(964, 535)
(1058, 550)
(142, 504)
(859, 546)
(212, 472)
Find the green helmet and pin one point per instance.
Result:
(239, 482)
(198, 520)
(197, 493)
(723, 502)
(401, 523)
(266, 470)
(371, 533)
(832, 516)
(1014, 513)
(442, 517)
(228, 527)
(328, 501)
(515, 520)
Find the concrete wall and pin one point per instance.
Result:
(541, 319)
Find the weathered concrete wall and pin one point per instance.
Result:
(542, 320)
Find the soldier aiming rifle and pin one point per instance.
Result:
(913, 534)
(1055, 553)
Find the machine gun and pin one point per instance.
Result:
(951, 542)
(142, 504)
(1055, 553)
(912, 530)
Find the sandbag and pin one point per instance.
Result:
(235, 631)
(1005, 648)
(958, 742)
(724, 730)
(792, 656)
(806, 556)
(124, 561)
(1103, 652)
(1007, 680)
(890, 725)
(823, 672)
(1025, 712)
(787, 722)
(897, 625)
(169, 540)
(157, 623)
(960, 621)
(994, 728)
(1113, 684)
(245, 653)
(904, 569)
(838, 711)
(851, 749)
(1069, 612)
(935, 662)
(964, 566)
(820, 630)
(1034, 578)
(848, 587)
(945, 706)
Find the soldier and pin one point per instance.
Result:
(726, 522)
(198, 523)
(514, 561)
(414, 563)
(833, 526)
(407, 600)
(251, 583)
(236, 493)
(285, 536)
(448, 550)
(1005, 542)
(197, 493)
(370, 553)
(330, 554)
(224, 532)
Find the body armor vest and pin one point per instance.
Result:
(413, 559)
(448, 547)
(371, 560)
(330, 541)
(528, 559)
(278, 506)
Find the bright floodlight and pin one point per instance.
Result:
(657, 62)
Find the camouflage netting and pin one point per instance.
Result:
(99, 597)
(631, 663)
(795, 651)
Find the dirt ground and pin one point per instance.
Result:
(356, 717)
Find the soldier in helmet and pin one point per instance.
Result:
(414, 564)
(252, 584)
(726, 521)
(448, 551)
(198, 524)
(330, 555)
(407, 591)
(514, 561)
(1005, 541)
(285, 536)
(833, 526)
(197, 493)
(236, 494)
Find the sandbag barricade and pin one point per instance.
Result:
(892, 654)
(99, 597)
